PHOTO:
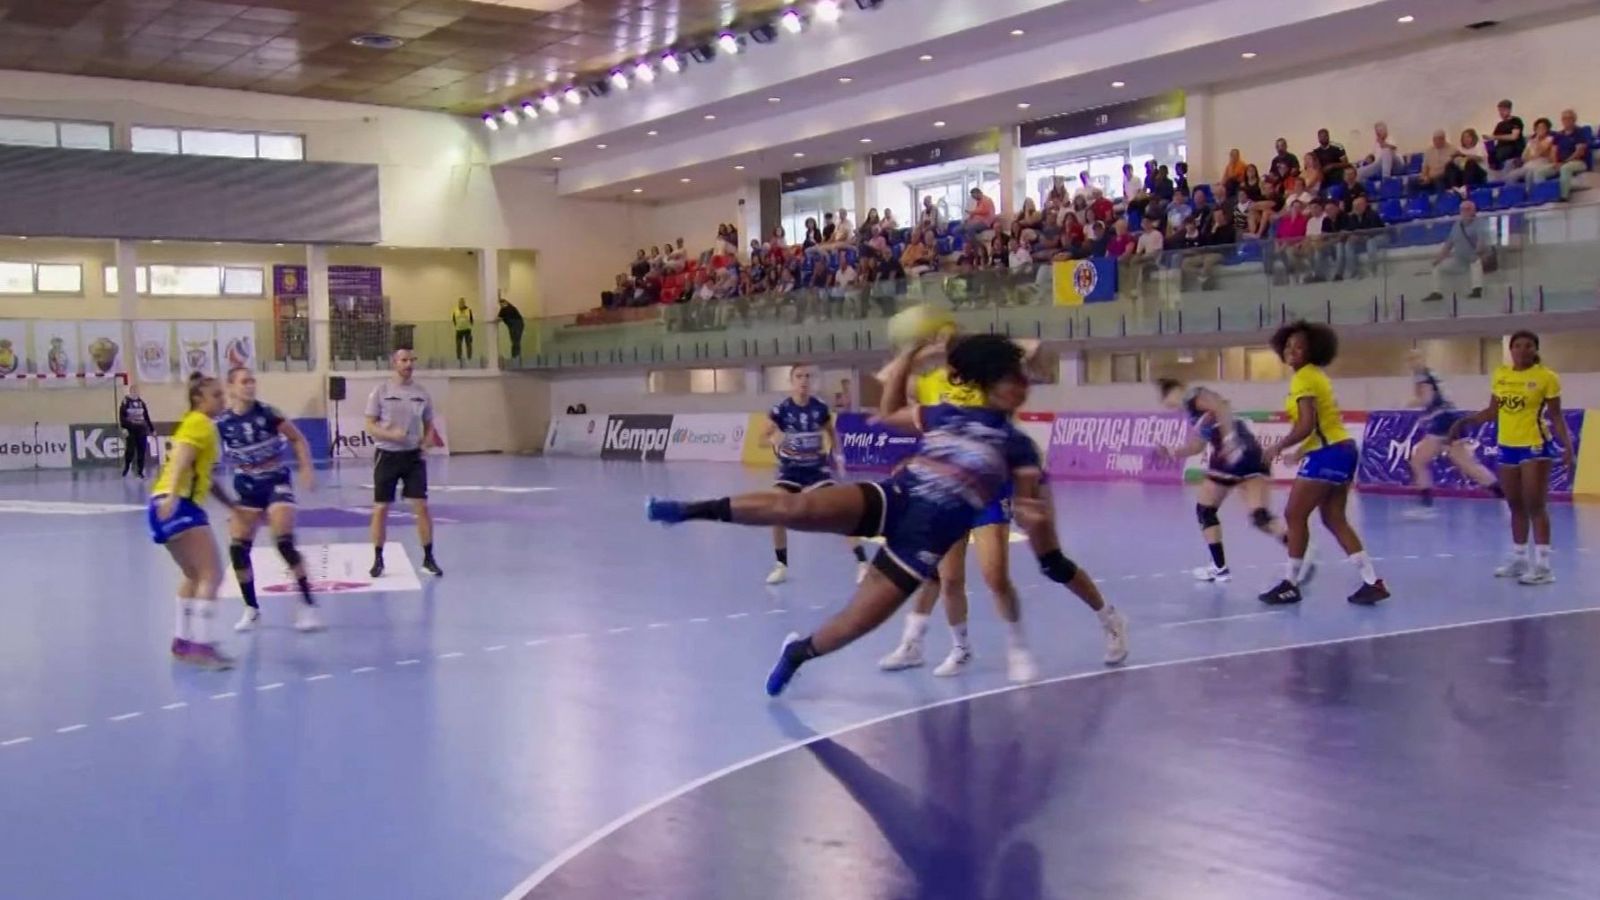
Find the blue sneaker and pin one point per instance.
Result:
(784, 671)
(667, 512)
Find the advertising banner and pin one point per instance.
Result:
(867, 445)
(13, 351)
(1115, 446)
(714, 437)
(1391, 435)
(55, 352)
(152, 351)
(348, 430)
(34, 447)
(640, 437)
(100, 348)
(575, 436)
(1037, 426)
(197, 348)
(236, 345)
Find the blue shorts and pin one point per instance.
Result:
(795, 479)
(1335, 464)
(1249, 465)
(1438, 424)
(1516, 456)
(263, 491)
(917, 532)
(186, 515)
(998, 512)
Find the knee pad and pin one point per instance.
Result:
(239, 554)
(1057, 567)
(1207, 515)
(286, 549)
(1261, 518)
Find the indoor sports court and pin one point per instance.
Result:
(575, 711)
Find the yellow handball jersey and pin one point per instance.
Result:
(1311, 381)
(198, 431)
(1521, 396)
(935, 388)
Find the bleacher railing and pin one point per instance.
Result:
(1544, 260)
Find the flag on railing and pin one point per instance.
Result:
(1081, 281)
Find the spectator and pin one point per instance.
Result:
(1539, 159)
(1572, 152)
(733, 238)
(1178, 212)
(981, 217)
(1163, 186)
(461, 319)
(1150, 176)
(1219, 235)
(1330, 156)
(1259, 201)
(1383, 159)
(1439, 169)
(890, 225)
(1508, 138)
(1466, 250)
(1030, 217)
(677, 257)
(655, 257)
(1474, 164)
(813, 234)
(1363, 235)
(1143, 256)
(1322, 240)
(1282, 156)
(869, 223)
(511, 317)
(933, 216)
(1353, 188)
(1290, 244)
(1100, 208)
(1131, 186)
(705, 291)
(1021, 259)
(1203, 208)
(1180, 175)
(1098, 240)
(1311, 180)
(641, 266)
(1233, 173)
(918, 258)
(1084, 185)
(845, 232)
(844, 284)
(829, 229)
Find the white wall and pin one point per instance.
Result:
(1451, 86)
(695, 221)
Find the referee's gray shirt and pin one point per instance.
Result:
(404, 406)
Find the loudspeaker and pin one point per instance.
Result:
(336, 387)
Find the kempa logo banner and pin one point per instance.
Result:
(100, 446)
(637, 437)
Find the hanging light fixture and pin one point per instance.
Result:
(509, 116)
(550, 103)
(490, 122)
(644, 73)
(619, 79)
(573, 96)
(728, 42)
(529, 111)
(671, 62)
(826, 10)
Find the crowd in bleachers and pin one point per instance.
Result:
(1318, 216)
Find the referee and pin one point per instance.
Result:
(400, 419)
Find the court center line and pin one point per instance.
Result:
(407, 662)
(269, 687)
(71, 728)
(549, 868)
(225, 695)
(455, 654)
(178, 705)
(323, 677)
(362, 670)
(124, 717)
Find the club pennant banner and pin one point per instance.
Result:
(100, 348)
(197, 348)
(152, 351)
(55, 352)
(13, 352)
(236, 344)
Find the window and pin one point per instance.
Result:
(1124, 368)
(193, 281)
(59, 278)
(49, 133)
(210, 142)
(141, 280)
(244, 281)
(716, 381)
(16, 278)
(775, 379)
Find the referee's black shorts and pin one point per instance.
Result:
(405, 469)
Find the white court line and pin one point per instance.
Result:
(407, 662)
(737, 615)
(362, 670)
(494, 649)
(658, 625)
(615, 825)
(623, 630)
(225, 695)
(269, 687)
(70, 729)
(698, 621)
(172, 706)
(819, 606)
(323, 677)
(456, 654)
(776, 612)
(15, 741)
(124, 717)
(1254, 615)
(535, 642)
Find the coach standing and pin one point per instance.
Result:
(400, 419)
(134, 417)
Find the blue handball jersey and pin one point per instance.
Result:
(800, 425)
(251, 443)
(967, 455)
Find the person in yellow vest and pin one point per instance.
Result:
(461, 318)
(178, 522)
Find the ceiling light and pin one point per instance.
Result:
(644, 72)
(1248, 54)
(728, 42)
(939, 124)
(684, 180)
(490, 122)
(792, 21)
(845, 79)
(926, 57)
(738, 168)
(826, 10)
(671, 62)
(774, 99)
(1117, 84)
(1023, 105)
(799, 155)
(652, 133)
(1406, 20)
(509, 115)
(619, 79)
(1017, 32)
(573, 95)
(550, 103)
(552, 77)
(601, 146)
(529, 111)
(866, 140)
(557, 158)
(638, 190)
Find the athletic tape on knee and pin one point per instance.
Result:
(1057, 567)
(1207, 515)
(286, 549)
(239, 554)
(1261, 518)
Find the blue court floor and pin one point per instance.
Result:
(575, 711)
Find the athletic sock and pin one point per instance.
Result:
(305, 590)
(916, 627)
(1219, 560)
(427, 552)
(1014, 636)
(958, 635)
(1541, 555)
(1519, 551)
(1427, 496)
(1292, 570)
(1363, 562)
(1106, 614)
(719, 510)
(860, 552)
(377, 554)
(247, 587)
(799, 651)
(182, 629)
(200, 620)
(782, 553)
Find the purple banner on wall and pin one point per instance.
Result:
(355, 281)
(289, 281)
(1391, 435)
(1119, 446)
(866, 445)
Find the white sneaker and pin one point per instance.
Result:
(861, 571)
(906, 656)
(247, 622)
(954, 663)
(1116, 628)
(1537, 575)
(1212, 573)
(1515, 567)
(306, 619)
(1020, 667)
(1420, 513)
(778, 575)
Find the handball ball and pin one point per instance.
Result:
(916, 323)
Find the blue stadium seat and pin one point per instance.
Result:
(1414, 164)
(945, 246)
(897, 249)
(850, 254)
(1586, 134)
(1203, 191)
(1372, 185)
(1135, 221)
(1448, 204)
(1483, 197)
(959, 241)
(1419, 207)
(1439, 232)
(1412, 235)
(1393, 212)
(1547, 191)
(1511, 195)
(1250, 251)
(953, 229)
(1392, 189)
(1336, 192)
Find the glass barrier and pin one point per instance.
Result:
(358, 346)
(1533, 261)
